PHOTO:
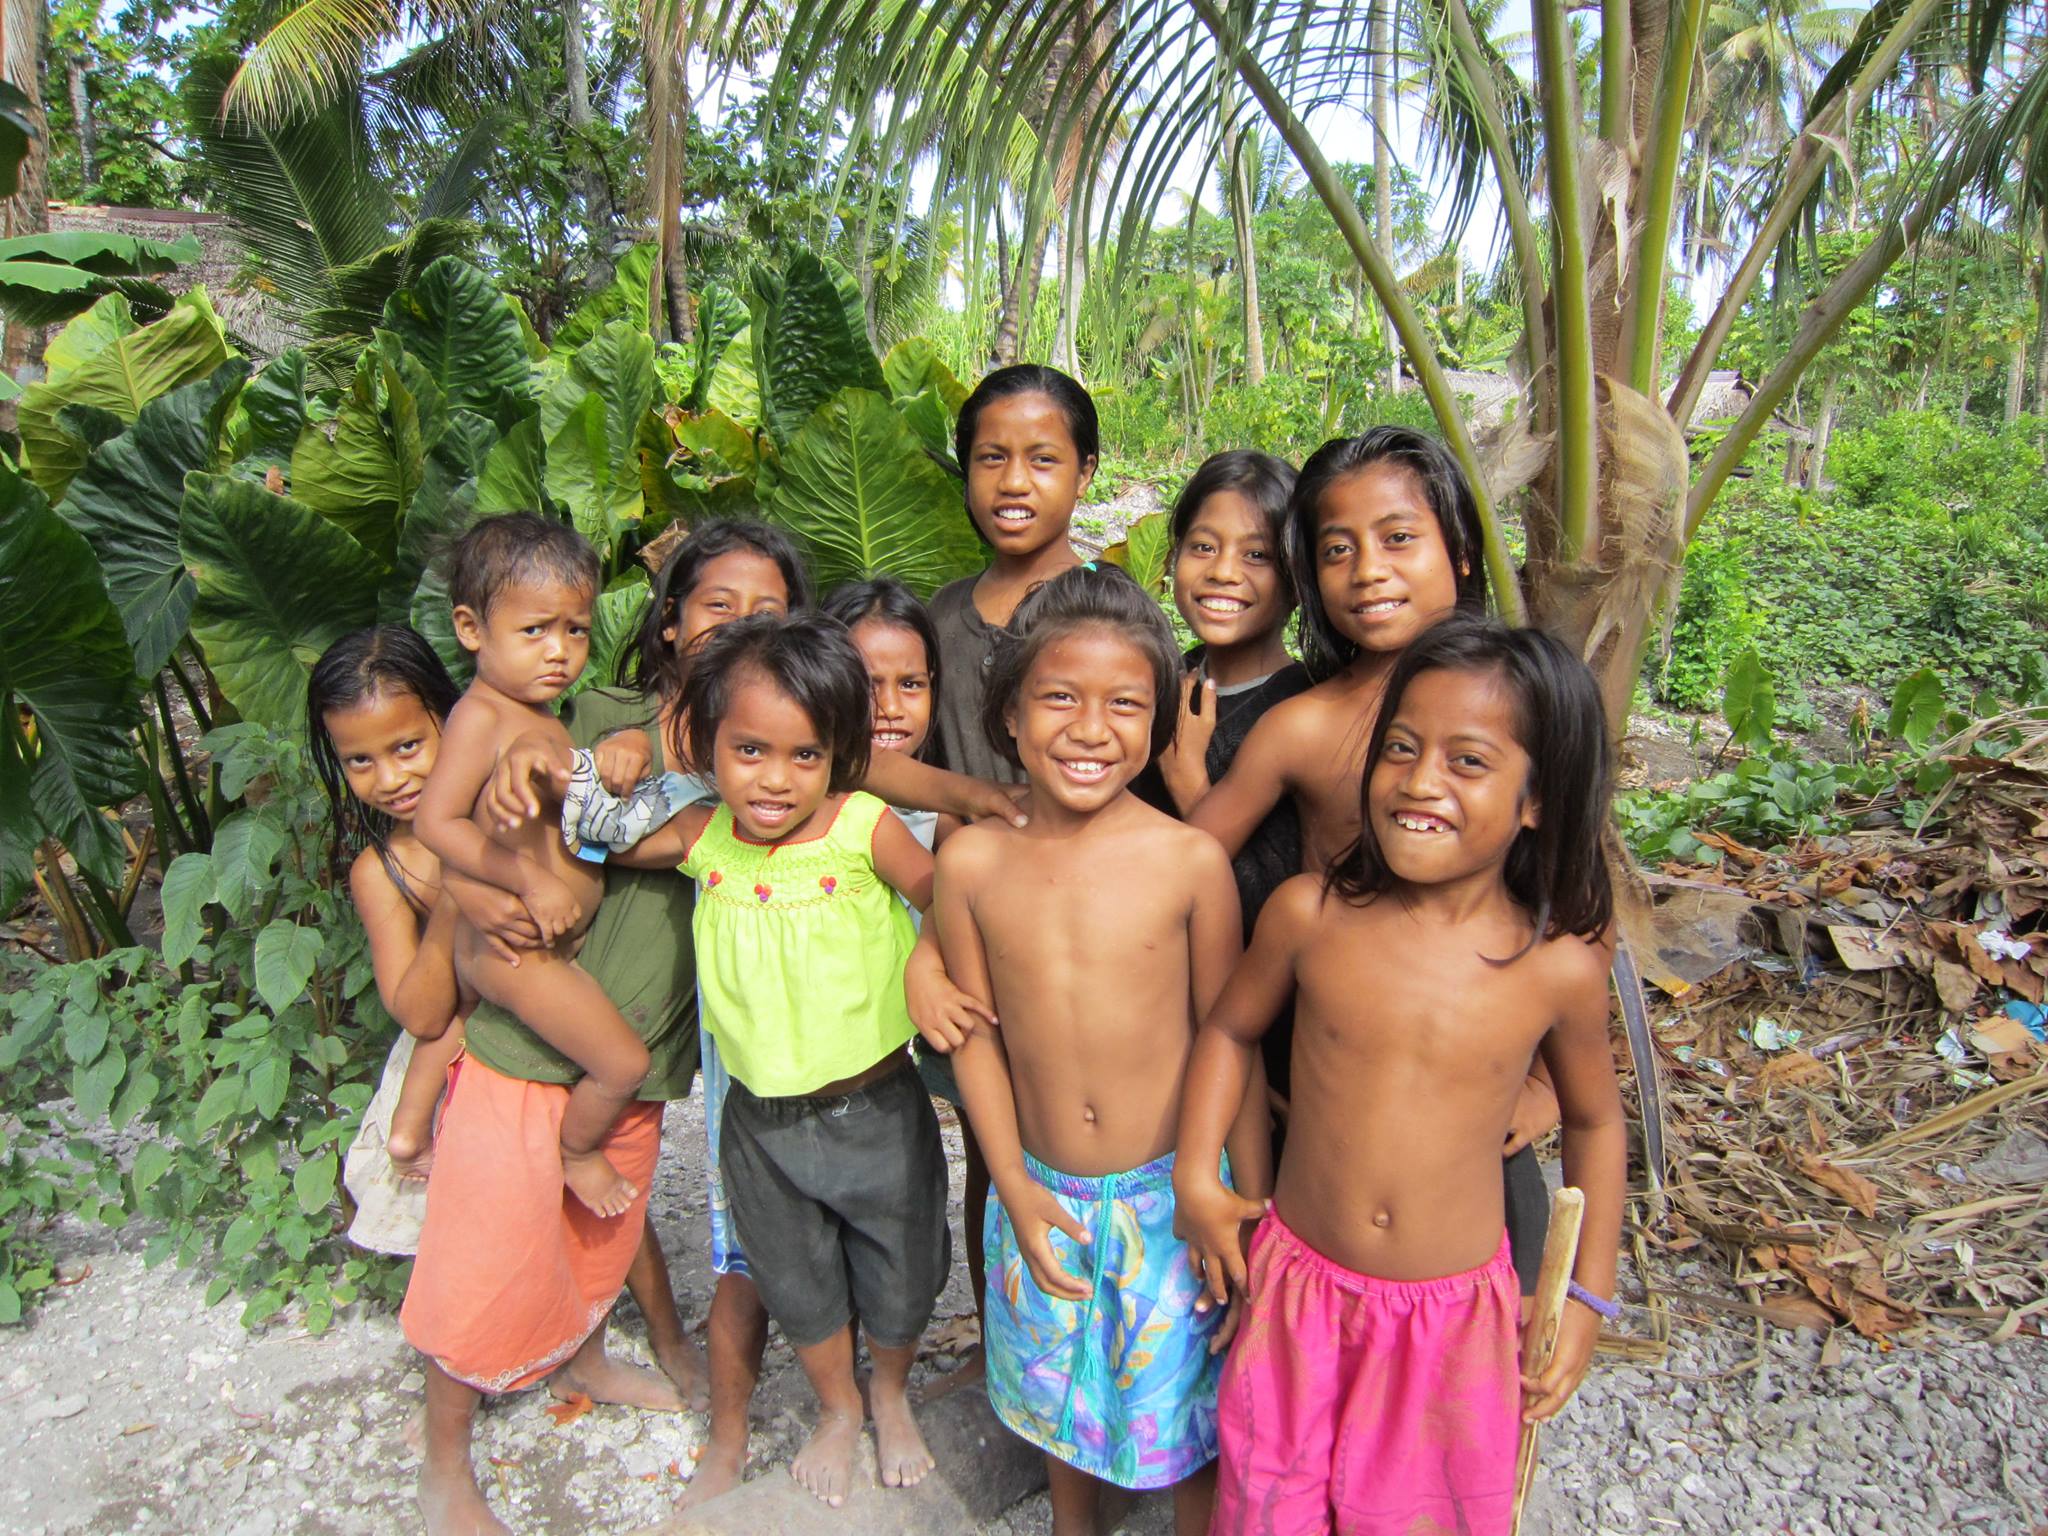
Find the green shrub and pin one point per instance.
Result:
(1715, 622)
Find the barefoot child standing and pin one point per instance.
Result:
(1098, 933)
(522, 588)
(374, 707)
(830, 1150)
(1374, 1387)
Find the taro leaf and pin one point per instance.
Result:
(1143, 551)
(276, 403)
(614, 626)
(663, 497)
(625, 297)
(1749, 701)
(64, 657)
(122, 376)
(99, 327)
(580, 471)
(441, 511)
(125, 501)
(932, 422)
(810, 341)
(285, 956)
(734, 390)
(434, 617)
(913, 366)
(456, 324)
(365, 475)
(1917, 704)
(593, 465)
(515, 473)
(721, 317)
(89, 426)
(278, 584)
(716, 460)
(861, 494)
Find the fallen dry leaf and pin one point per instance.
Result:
(569, 1409)
(1833, 1177)
(1798, 1312)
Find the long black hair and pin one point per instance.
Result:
(1074, 402)
(807, 656)
(383, 661)
(1555, 870)
(1325, 651)
(650, 663)
(1089, 596)
(1263, 479)
(886, 600)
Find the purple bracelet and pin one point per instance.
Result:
(1600, 1304)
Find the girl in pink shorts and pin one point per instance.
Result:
(1375, 1385)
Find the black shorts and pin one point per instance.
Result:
(840, 1204)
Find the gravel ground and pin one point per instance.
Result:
(132, 1407)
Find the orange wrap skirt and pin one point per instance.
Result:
(513, 1271)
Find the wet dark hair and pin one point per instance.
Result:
(1263, 479)
(887, 601)
(1089, 596)
(1324, 649)
(1555, 870)
(651, 663)
(383, 661)
(516, 549)
(808, 657)
(1073, 401)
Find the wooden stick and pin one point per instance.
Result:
(1560, 1254)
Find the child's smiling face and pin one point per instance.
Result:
(1226, 574)
(734, 585)
(533, 641)
(770, 763)
(1024, 474)
(900, 683)
(1449, 793)
(1083, 718)
(386, 746)
(1382, 568)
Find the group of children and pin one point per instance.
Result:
(1277, 1280)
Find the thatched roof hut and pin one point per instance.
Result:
(247, 313)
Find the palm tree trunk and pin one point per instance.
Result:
(1063, 334)
(81, 117)
(28, 211)
(1022, 290)
(1247, 266)
(2015, 381)
(1817, 462)
(1380, 41)
(2041, 327)
(584, 177)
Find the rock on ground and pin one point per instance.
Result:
(131, 1406)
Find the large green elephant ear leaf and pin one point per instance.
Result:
(456, 324)
(275, 402)
(721, 316)
(95, 330)
(364, 476)
(64, 656)
(441, 511)
(810, 342)
(590, 421)
(1144, 551)
(734, 389)
(913, 366)
(278, 583)
(121, 376)
(514, 477)
(857, 488)
(125, 501)
(625, 297)
(614, 628)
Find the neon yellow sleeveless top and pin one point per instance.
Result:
(800, 952)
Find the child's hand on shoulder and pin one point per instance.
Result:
(1209, 1217)
(1577, 1334)
(553, 905)
(1033, 1214)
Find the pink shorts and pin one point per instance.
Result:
(1369, 1407)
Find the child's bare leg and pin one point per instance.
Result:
(565, 1006)
(592, 1373)
(450, 1500)
(674, 1351)
(738, 1329)
(825, 1464)
(973, 1363)
(900, 1451)
(1076, 1499)
(411, 1139)
(1194, 1501)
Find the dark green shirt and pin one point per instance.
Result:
(638, 947)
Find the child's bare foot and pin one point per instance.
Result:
(900, 1452)
(825, 1464)
(683, 1363)
(720, 1469)
(593, 1180)
(453, 1505)
(605, 1380)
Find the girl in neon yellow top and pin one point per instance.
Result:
(829, 1146)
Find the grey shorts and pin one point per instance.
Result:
(841, 1207)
